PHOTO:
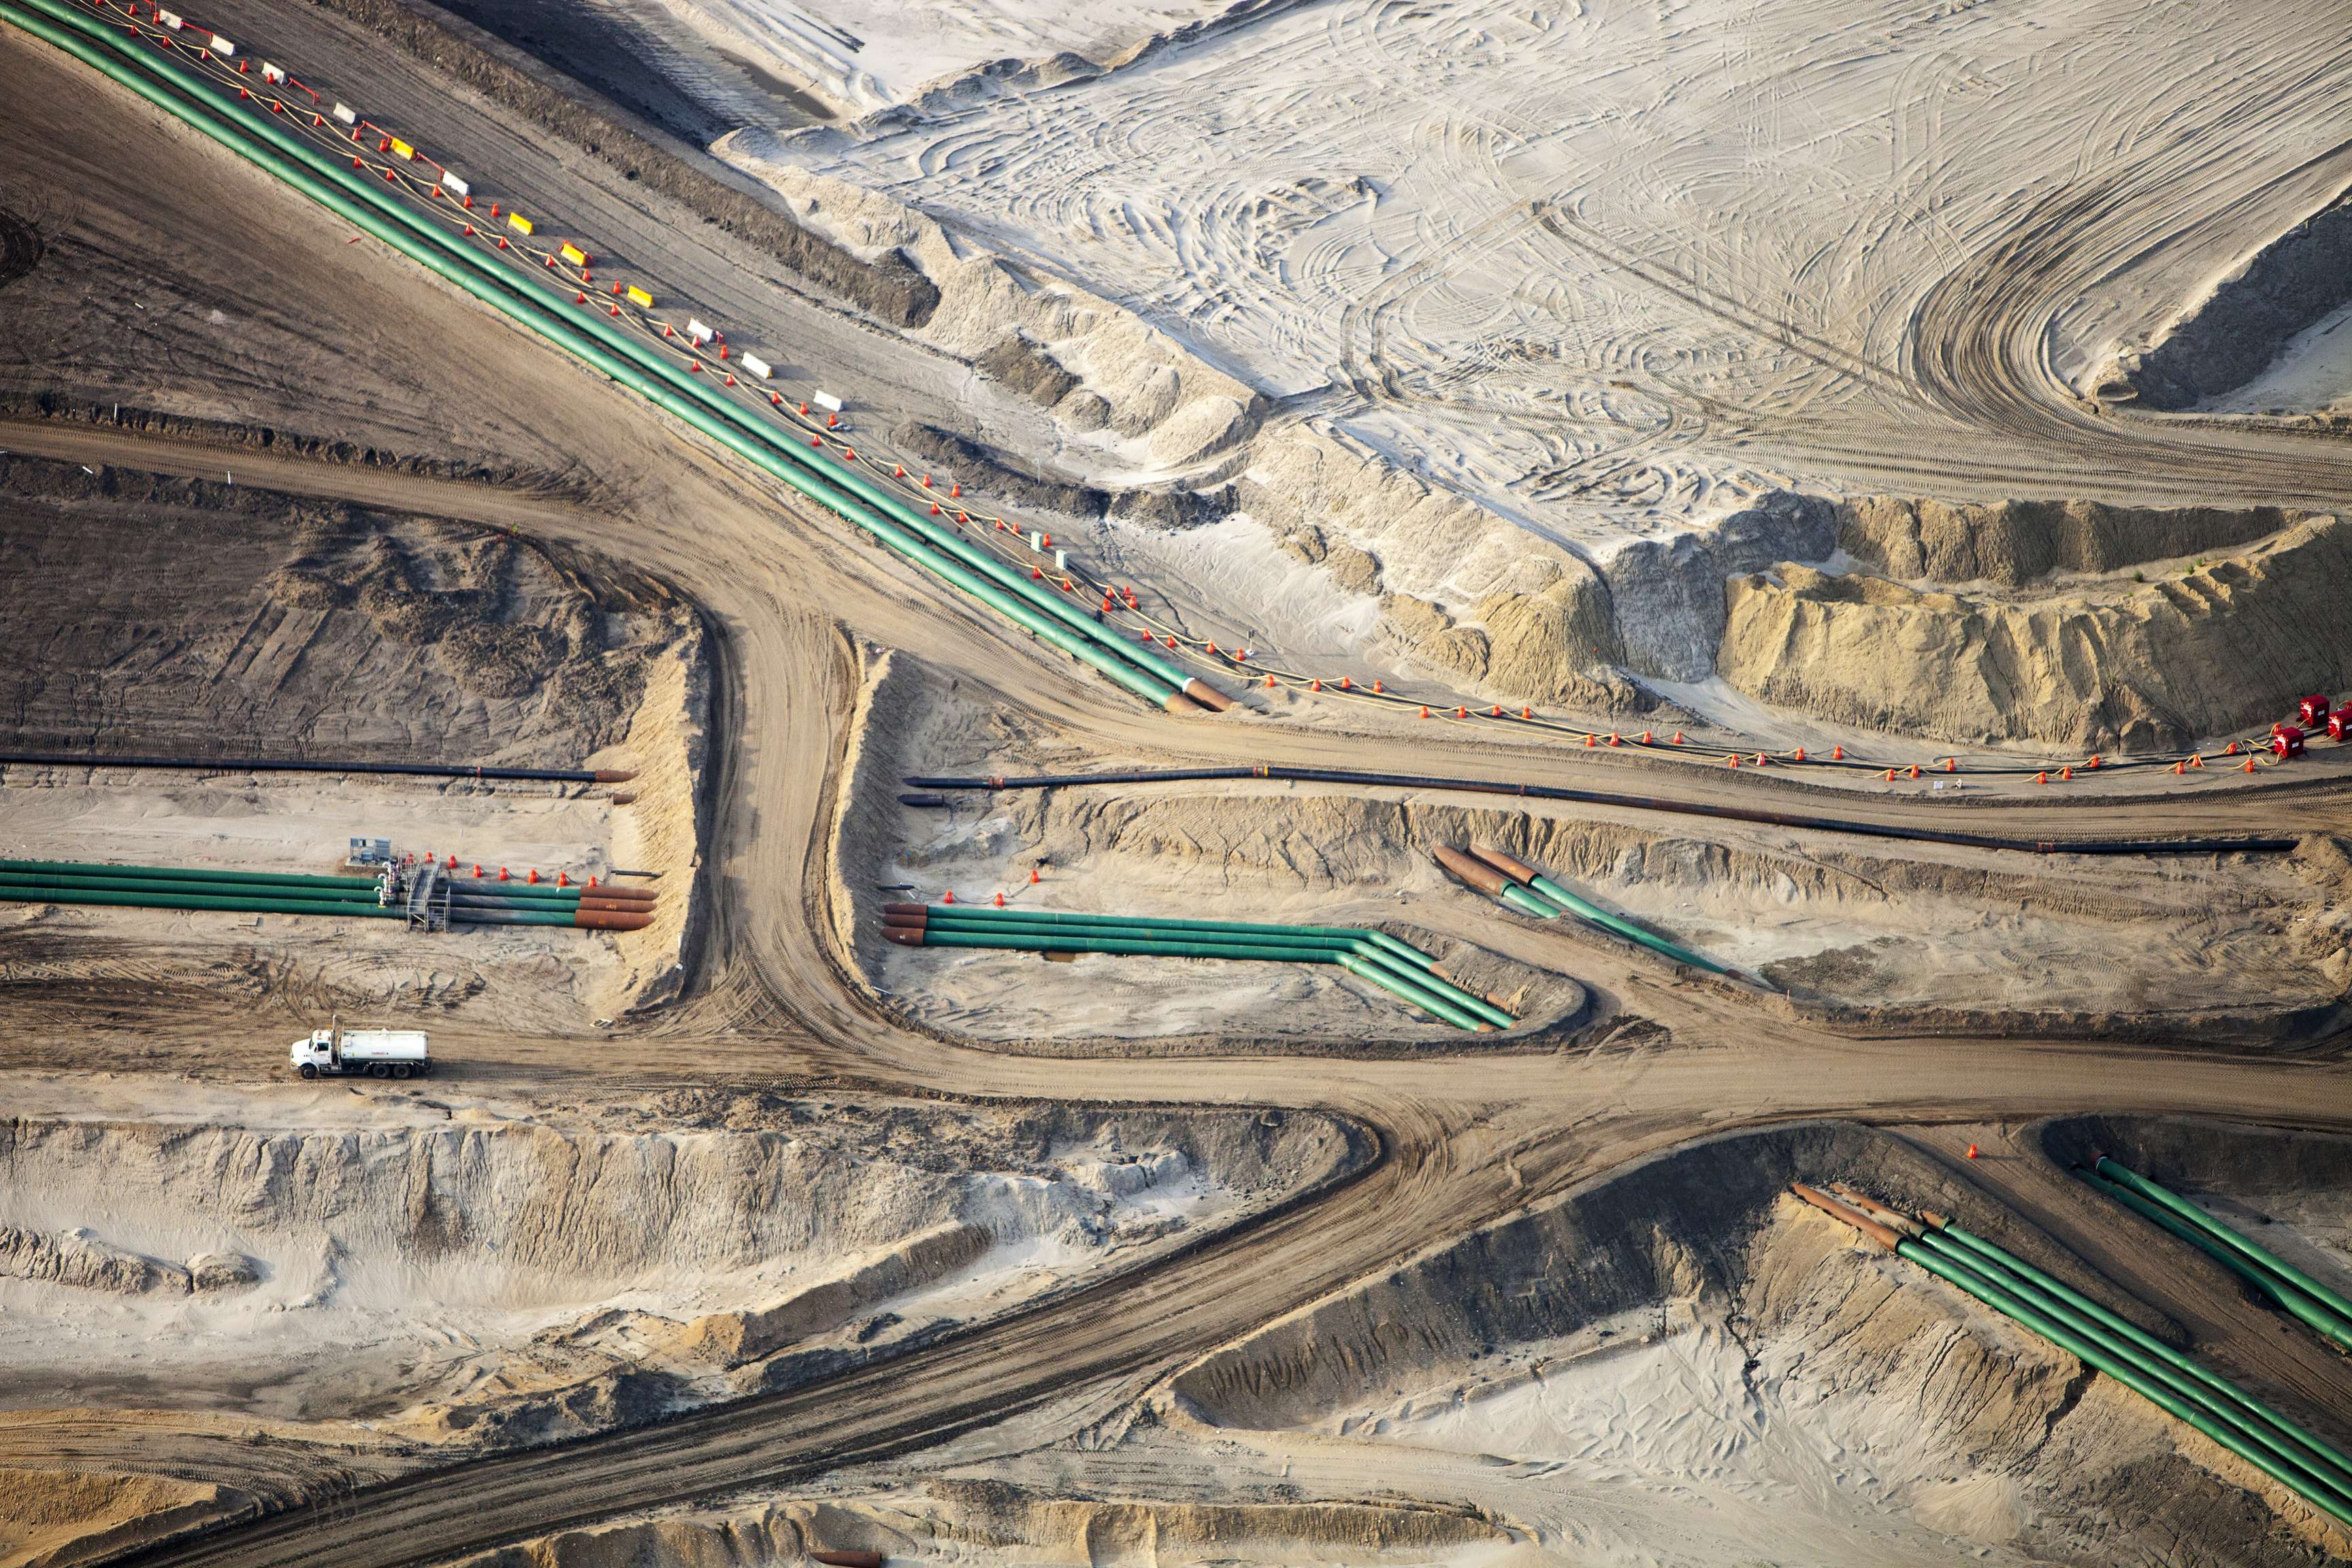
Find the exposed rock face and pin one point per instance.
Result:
(2228, 336)
(1668, 592)
(2161, 665)
(1463, 592)
(77, 1258)
(209, 1272)
(733, 1337)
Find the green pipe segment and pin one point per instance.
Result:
(561, 330)
(180, 874)
(1585, 909)
(226, 901)
(2225, 1237)
(1302, 949)
(2285, 1298)
(1305, 944)
(1057, 917)
(2311, 1478)
(1527, 903)
(1374, 947)
(2070, 1300)
(1135, 947)
(158, 78)
(1420, 997)
(2124, 1371)
(21, 883)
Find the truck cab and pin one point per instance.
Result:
(362, 1053)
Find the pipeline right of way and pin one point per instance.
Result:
(274, 147)
(2248, 846)
(2311, 1468)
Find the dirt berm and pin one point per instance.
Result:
(1508, 1340)
(2161, 658)
(995, 1521)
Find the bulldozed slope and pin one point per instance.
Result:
(236, 622)
(959, 1520)
(2199, 650)
(468, 1277)
(1684, 1326)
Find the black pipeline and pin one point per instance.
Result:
(1629, 802)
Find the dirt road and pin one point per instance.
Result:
(788, 591)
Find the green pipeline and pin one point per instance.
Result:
(1527, 903)
(2224, 1236)
(1135, 947)
(1380, 938)
(2314, 1480)
(1396, 984)
(181, 874)
(1305, 946)
(256, 904)
(1047, 616)
(1418, 983)
(2284, 1297)
(1585, 909)
(24, 884)
(2066, 1301)
(2127, 1373)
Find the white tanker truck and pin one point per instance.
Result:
(362, 1052)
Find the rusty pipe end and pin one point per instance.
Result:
(1177, 702)
(904, 909)
(1836, 1210)
(1936, 1221)
(1483, 878)
(1485, 1028)
(1207, 695)
(915, 922)
(1885, 1214)
(905, 936)
(610, 919)
(615, 776)
(1508, 864)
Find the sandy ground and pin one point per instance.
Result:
(449, 1267)
(1605, 270)
(1767, 1405)
(1464, 1142)
(2314, 373)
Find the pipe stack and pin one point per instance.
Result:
(1530, 891)
(485, 901)
(480, 901)
(2325, 1312)
(1375, 957)
(2311, 1468)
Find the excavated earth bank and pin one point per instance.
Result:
(981, 1521)
(1761, 1377)
(2073, 623)
(2233, 329)
(489, 1276)
(239, 622)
